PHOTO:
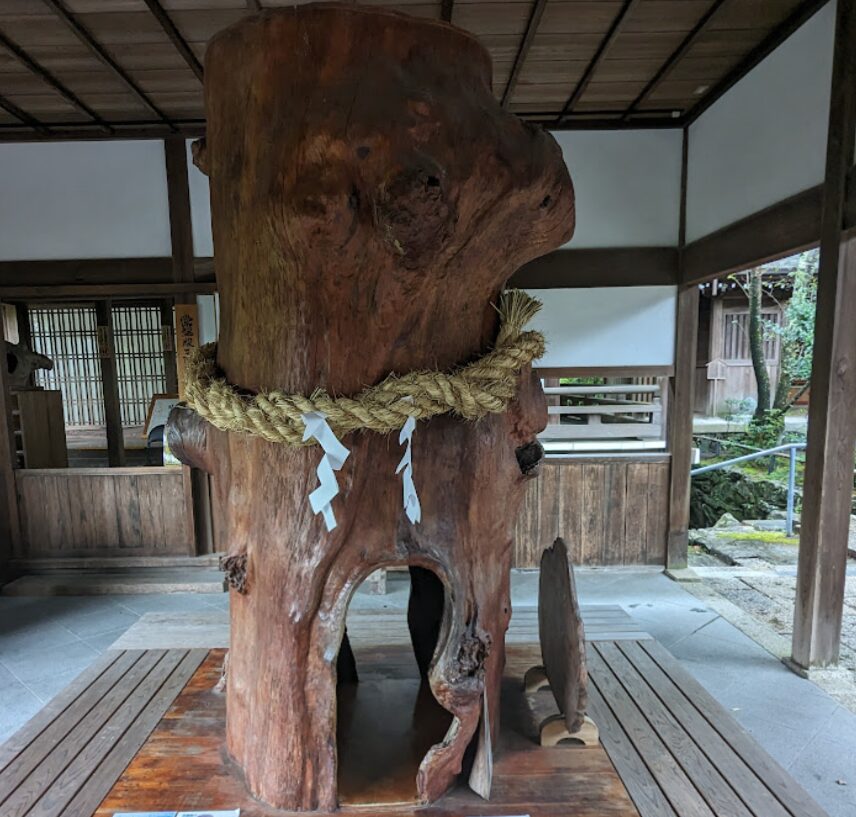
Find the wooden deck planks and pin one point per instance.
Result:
(49, 712)
(67, 720)
(783, 787)
(602, 623)
(182, 765)
(666, 771)
(641, 786)
(65, 759)
(748, 785)
(677, 750)
(98, 785)
(706, 778)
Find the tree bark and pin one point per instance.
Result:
(756, 343)
(369, 200)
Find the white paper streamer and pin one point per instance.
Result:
(334, 458)
(411, 500)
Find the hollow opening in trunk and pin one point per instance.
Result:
(387, 716)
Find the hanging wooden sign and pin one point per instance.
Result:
(187, 338)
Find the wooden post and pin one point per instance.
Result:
(828, 482)
(681, 426)
(109, 383)
(180, 224)
(680, 400)
(168, 343)
(196, 483)
(383, 205)
(10, 528)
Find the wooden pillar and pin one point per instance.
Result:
(180, 225)
(681, 426)
(196, 484)
(168, 343)
(10, 531)
(109, 384)
(828, 482)
(553, 400)
(680, 398)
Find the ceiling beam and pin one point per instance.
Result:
(25, 59)
(601, 120)
(675, 57)
(22, 116)
(605, 43)
(174, 35)
(115, 291)
(804, 12)
(600, 267)
(525, 44)
(64, 131)
(85, 36)
(254, 5)
(446, 10)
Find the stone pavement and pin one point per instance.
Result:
(44, 642)
(759, 576)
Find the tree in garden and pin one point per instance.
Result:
(796, 333)
(796, 340)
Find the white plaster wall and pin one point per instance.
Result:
(83, 200)
(607, 326)
(627, 184)
(765, 139)
(200, 209)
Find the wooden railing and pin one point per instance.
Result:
(616, 412)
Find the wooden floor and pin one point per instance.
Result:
(64, 761)
(603, 622)
(668, 748)
(679, 753)
(182, 765)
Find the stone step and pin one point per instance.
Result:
(89, 582)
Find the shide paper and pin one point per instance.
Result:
(334, 457)
(411, 500)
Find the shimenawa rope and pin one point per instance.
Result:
(485, 386)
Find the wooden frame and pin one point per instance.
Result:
(600, 267)
(110, 384)
(607, 371)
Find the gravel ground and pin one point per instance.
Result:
(760, 577)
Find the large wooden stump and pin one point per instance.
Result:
(369, 199)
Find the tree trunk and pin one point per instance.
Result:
(756, 344)
(369, 200)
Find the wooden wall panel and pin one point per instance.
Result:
(609, 510)
(103, 512)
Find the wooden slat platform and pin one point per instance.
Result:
(668, 748)
(365, 627)
(182, 765)
(603, 622)
(679, 753)
(64, 760)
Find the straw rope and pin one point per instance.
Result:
(485, 386)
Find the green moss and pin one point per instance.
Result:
(770, 537)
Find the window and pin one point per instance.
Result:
(68, 335)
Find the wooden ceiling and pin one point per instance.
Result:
(131, 68)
